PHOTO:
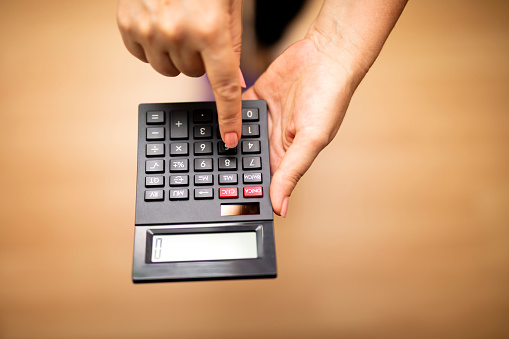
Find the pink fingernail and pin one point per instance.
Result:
(241, 78)
(231, 139)
(284, 207)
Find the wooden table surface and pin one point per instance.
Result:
(399, 230)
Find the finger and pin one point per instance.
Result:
(161, 62)
(188, 61)
(134, 48)
(296, 161)
(222, 64)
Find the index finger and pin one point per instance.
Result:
(222, 67)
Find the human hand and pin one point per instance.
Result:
(191, 37)
(307, 94)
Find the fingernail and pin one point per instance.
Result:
(241, 78)
(231, 139)
(284, 207)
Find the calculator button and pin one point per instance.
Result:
(250, 130)
(251, 146)
(155, 117)
(203, 147)
(154, 150)
(154, 195)
(179, 148)
(203, 164)
(225, 150)
(154, 166)
(227, 164)
(155, 181)
(251, 163)
(203, 132)
(250, 114)
(179, 165)
(179, 180)
(253, 192)
(230, 178)
(178, 125)
(179, 194)
(203, 179)
(202, 116)
(252, 178)
(155, 133)
(228, 192)
(203, 193)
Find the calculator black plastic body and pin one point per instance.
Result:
(179, 203)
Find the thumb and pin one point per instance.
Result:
(296, 161)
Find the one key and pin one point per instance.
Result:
(154, 195)
(251, 146)
(252, 178)
(251, 163)
(203, 132)
(179, 165)
(203, 147)
(154, 166)
(253, 192)
(228, 164)
(203, 193)
(178, 148)
(203, 179)
(250, 130)
(179, 194)
(203, 164)
(228, 192)
(250, 114)
(228, 179)
(155, 117)
(225, 150)
(155, 150)
(155, 133)
(202, 116)
(154, 181)
(179, 180)
(178, 125)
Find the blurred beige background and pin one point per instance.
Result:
(399, 230)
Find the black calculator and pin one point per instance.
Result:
(203, 210)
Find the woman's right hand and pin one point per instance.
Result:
(191, 37)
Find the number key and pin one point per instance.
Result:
(223, 149)
(229, 163)
(203, 132)
(250, 114)
(203, 147)
(250, 130)
(251, 163)
(250, 146)
(203, 164)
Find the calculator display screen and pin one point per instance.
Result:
(204, 246)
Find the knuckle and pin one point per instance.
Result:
(165, 70)
(292, 177)
(173, 33)
(318, 141)
(227, 91)
(226, 120)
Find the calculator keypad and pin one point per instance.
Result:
(185, 160)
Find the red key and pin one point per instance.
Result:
(253, 192)
(228, 192)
